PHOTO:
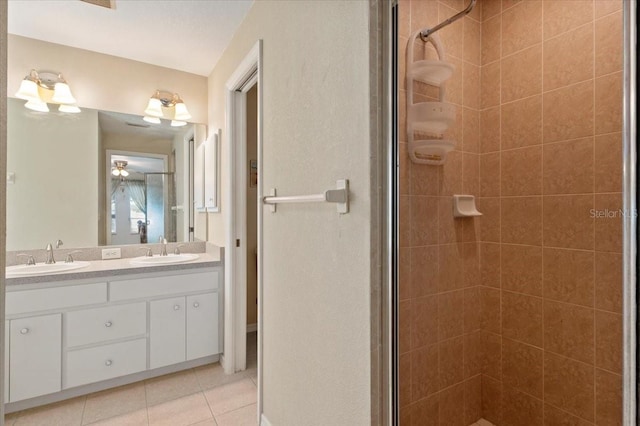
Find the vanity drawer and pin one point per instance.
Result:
(43, 299)
(102, 324)
(163, 286)
(105, 362)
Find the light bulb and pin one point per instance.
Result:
(62, 94)
(115, 172)
(154, 108)
(28, 91)
(152, 120)
(72, 109)
(181, 113)
(124, 173)
(37, 106)
(175, 123)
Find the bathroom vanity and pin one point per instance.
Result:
(109, 324)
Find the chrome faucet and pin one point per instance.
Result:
(30, 260)
(50, 259)
(163, 241)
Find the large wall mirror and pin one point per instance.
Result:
(96, 178)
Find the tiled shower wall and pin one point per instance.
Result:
(516, 316)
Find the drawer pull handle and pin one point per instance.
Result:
(24, 331)
(176, 307)
(196, 305)
(108, 324)
(108, 363)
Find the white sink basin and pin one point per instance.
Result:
(164, 260)
(43, 269)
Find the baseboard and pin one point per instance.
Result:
(252, 327)
(264, 421)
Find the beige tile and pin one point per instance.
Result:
(521, 26)
(114, 402)
(471, 260)
(245, 416)
(605, 7)
(522, 318)
(212, 375)
(472, 39)
(568, 112)
(490, 175)
(67, 413)
(568, 221)
(562, 16)
(471, 85)
(522, 367)
(424, 267)
(507, 4)
(608, 38)
(405, 414)
(424, 230)
(490, 130)
(404, 325)
(454, 86)
(491, 313)
(609, 341)
(404, 379)
(424, 372)
(450, 179)
(569, 276)
(472, 399)
(521, 220)
(491, 39)
(490, 8)
(491, 355)
(404, 276)
(608, 281)
(520, 408)
(402, 116)
(9, 419)
(424, 412)
(451, 402)
(452, 36)
(569, 384)
(180, 412)
(210, 422)
(521, 171)
(568, 167)
(608, 163)
(231, 396)
(490, 219)
(404, 169)
(568, 58)
(134, 418)
(472, 354)
(522, 269)
(471, 130)
(424, 179)
(490, 264)
(608, 222)
(471, 174)
(608, 398)
(450, 230)
(450, 322)
(521, 123)
(491, 400)
(423, 13)
(404, 18)
(608, 109)
(554, 416)
(451, 272)
(171, 386)
(424, 321)
(522, 74)
(451, 362)
(490, 85)
(569, 331)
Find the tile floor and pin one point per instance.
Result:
(202, 396)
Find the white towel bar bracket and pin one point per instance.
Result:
(340, 196)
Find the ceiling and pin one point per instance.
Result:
(140, 164)
(186, 35)
(127, 124)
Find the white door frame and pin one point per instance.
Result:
(248, 73)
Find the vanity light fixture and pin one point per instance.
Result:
(119, 169)
(42, 87)
(167, 105)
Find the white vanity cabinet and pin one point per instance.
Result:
(34, 354)
(66, 338)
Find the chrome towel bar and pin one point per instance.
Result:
(340, 196)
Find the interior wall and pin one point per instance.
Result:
(3, 186)
(550, 188)
(439, 281)
(316, 263)
(252, 208)
(104, 82)
(32, 220)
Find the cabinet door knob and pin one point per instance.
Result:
(108, 324)
(176, 307)
(196, 304)
(108, 363)
(24, 331)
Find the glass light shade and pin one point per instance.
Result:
(154, 108)
(115, 172)
(152, 120)
(37, 106)
(181, 113)
(62, 94)
(72, 109)
(175, 123)
(28, 91)
(124, 173)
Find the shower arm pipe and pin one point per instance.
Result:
(424, 34)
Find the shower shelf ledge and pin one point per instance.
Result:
(430, 71)
(431, 117)
(431, 151)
